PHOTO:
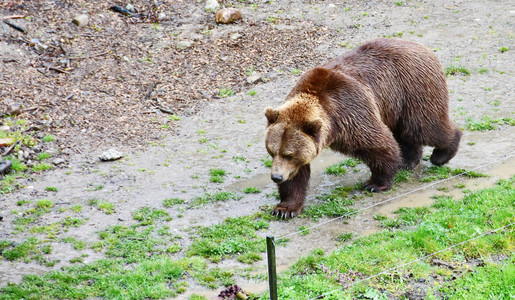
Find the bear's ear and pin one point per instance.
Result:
(271, 114)
(318, 79)
(313, 128)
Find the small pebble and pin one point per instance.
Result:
(81, 20)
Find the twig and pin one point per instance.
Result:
(162, 109)
(15, 26)
(14, 17)
(8, 150)
(58, 70)
(150, 89)
(90, 56)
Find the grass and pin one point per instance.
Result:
(251, 190)
(420, 231)
(434, 173)
(170, 202)
(235, 236)
(213, 198)
(456, 70)
(487, 123)
(333, 204)
(341, 168)
(225, 92)
(217, 175)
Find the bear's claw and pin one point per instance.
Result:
(374, 188)
(285, 213)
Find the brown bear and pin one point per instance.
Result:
(381, 103)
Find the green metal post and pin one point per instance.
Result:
(272, 273)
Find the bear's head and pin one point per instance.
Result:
(294, 133)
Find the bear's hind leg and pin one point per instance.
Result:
(293, 193)
(446, 149)
(411, 155)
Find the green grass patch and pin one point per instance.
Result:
(251, 190)
(422, 231)
(235, 236)
(217, 175)
(456, 70)
(172, 202)
(42, 167)
(148, 216)
(333, 204)
(487, 123)
(434, 173)
(213, 198)
(341, 168)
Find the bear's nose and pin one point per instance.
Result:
(277, 178)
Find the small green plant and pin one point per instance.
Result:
(44, 155)
(267, 162)
(296, 71)
(251, 93)
(172, 202)
(147, 215)
(48, 138)
(106, 207)
(340, 169)
(456, 70)
(51, 189)
(174, 117)
(251, 190)
(217, 175)
(45, 204)
(504, 49)
(399, 3)
(225, 92)
(213, 198)
(42, 167)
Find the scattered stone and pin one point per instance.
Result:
(181, 45)
(6, 142)
(81, 20)
(253, 78)
(130, 7)
(212, 5)
(235, 36)
(227, 15)
(5, 167)
(58, 161)
(110, 155)
(161, 16)
(13, 109)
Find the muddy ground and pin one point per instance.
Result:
(115, 83)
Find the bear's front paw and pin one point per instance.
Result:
(283, 210)
(374, 187)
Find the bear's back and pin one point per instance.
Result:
(405, 77)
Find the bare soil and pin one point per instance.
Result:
(115, 83)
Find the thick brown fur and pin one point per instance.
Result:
(380, 103)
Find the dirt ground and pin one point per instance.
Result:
(122, 82)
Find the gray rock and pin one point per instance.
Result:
(58, 161)
(111, 154)
(253, 78)
(212, 5)
(181, 45)
(235, 36)
(5, 167)
(13, 109)
(81, 20)
(129, 7)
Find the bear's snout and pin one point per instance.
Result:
(277, 178)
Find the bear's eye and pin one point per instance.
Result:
(288, 156)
